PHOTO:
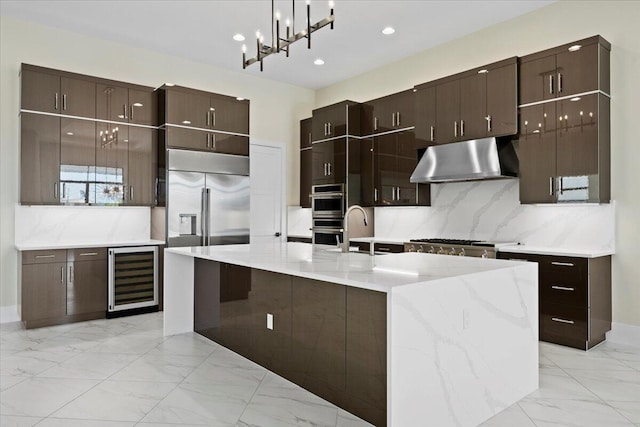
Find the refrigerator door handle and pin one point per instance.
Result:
(207, 208)
(203, 213)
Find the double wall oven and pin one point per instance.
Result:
(327, 210)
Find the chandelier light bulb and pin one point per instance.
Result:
(258, 34)
(308, 2)
(277, 15)
(331, 4)
(244, 48)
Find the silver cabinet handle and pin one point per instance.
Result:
(131, 193)
(563, 264)
(375, 194)
(383, 249)
(124, 111)
(131, 111)
(557, 319)
(397, 193)
(64, 190)
(213, 113)
(89, 254)
(61, 274)
(393, 119)
(455, 129)
(325, 129)
(44, 256)
(55, 101)
(64, 101)
(461, 127)
(488, 118)
(70, 278)
(208, 140)
(551, 83)
(329, 168)
(213, 140)
(208, 118)
(551, 186)
(398, 118)
(375, 123)
(55, 190)
(330, 130)
(562, 288)
(431, 133)
(559, 82)
(325, 168)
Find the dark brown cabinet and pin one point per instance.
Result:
(329, 162)
(198, 109)
(39, 159)
(52, 91)
(306, 161)
(575, 298)
(388, 113)
(120, 103)
(574, 68)
(395, 160)
(111, 164)
(475, 104)
(194, 139)
(564, 151)
(425, 116)
(142, 158)
(336, 120)
(61, 286)
(87, 275)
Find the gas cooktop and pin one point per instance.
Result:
(462, 242)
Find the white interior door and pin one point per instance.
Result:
(267, 171)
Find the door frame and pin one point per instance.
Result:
(283, 179)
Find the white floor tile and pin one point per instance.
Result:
(561, 386)
(591, 360)
(13, 421)
(613, 385)
(41, 396)
(572, 413)
(117, 400)
(159, 367)
(190, 344)
(226, 367)
(93, 366)
(630, 410)
(513, 416)
(7, 381)
(345, 419)
(68, 422)
(126, 345)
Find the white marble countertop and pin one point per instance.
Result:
(546, 250)
(74, 245)
(388, 240)
(379, 273)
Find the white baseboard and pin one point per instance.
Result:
(623, 333)
(9, 314)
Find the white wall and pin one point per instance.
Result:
(276, 108)
(559, 23)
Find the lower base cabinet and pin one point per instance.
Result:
(328, 338)
(574, 298)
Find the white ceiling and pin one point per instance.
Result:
(202, 30)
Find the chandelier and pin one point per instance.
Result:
(283, 44)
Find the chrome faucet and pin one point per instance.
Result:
(345, 226)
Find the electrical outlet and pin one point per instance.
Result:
(270, 321)
(466, 319)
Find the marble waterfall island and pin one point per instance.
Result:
(461, 333)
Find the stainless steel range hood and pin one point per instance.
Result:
(487, 158)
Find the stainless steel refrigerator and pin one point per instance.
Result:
(207, 199)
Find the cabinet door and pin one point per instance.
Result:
(405, 164)
(367, 355)
(143, 107)
(425, 117)
(537, 153)
(112, 102)
(502, 101)
(318, 337)
(382, 109)
(473, 107)
(305, 133)
(537, 79)
(306, 159)
(577, 136)
(230, 144)
(44, 291)
(577, 71)
(337, 119)
(87, 285)
(367, 172)
(386, 165)
(270, 301)
(319, 124)
(78, 97)
(112, 164)
(336, 156)
(40, 92)
(188, 138)
(448, 112)
(229, 114)
(77, 160)
(142, 166)
(404, 107)
(39, 159)
(319, 156)
(235, 287)
(188, 109)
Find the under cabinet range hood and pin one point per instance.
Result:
(487, 158)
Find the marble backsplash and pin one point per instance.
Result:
(46, 225)
(298, 221)
(491, 210)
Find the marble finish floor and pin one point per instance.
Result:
(123, 372)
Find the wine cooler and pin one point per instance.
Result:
(133, 278)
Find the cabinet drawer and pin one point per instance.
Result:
(563, 271)
(562, 292)
(388, 247)
(86, 254)
(563, 324)
(44, 257)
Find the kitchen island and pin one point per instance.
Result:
(444, 341)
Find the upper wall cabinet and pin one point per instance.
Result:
(336, 120)
(475, 104)
(204, 110)
(388, 113)
(117, 102)
(52, 91)
(566, 70)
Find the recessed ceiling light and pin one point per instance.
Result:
(238, 37)
(319, 61)
(387, 31)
